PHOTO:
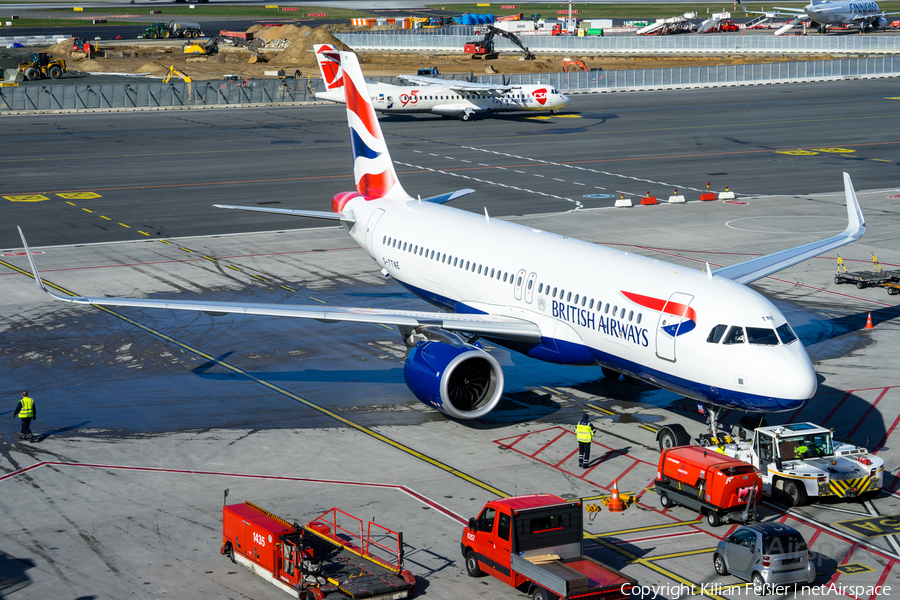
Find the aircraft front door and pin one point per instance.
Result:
(674, 320)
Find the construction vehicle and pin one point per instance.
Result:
(41, 66)
(797, 461)
(535, 543)
(484, 48)
(173, 72)
(81, 48)
(721, 487)
(172, 29)
(570, 64)
(202, 47)
(429, 72)
(335, 554)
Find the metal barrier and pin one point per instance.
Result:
(154, 95)
(633, 44)
(137, 96)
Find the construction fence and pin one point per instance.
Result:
(631, 44)
(157, 95)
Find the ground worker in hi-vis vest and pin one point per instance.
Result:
(584, 431)
(27, 411)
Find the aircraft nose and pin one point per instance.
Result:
(793, 380)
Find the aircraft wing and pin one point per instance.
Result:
(462, 86)
(757, 268)
(496, 326)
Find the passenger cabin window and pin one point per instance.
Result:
(639, 318)
(786, 334)
(715, 336)
(762, 336)
(735, 336)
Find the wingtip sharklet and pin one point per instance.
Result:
(34, 269)
(856, 222)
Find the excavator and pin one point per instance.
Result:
(484, 48)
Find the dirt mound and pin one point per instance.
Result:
(87, 66)
(300, 51)
(60, 49)
(255, 28)
(151, 67)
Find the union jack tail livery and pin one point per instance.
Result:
(330, 65)
(373, 168)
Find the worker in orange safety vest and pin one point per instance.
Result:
(584, 432)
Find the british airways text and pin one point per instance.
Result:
(591, 320)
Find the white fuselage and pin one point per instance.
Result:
(443, 100)
(842, 13)
(593, 310)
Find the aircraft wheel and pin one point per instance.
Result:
(671, 436)
(465, 117)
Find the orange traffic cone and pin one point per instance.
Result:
(869, 322)
(615, 503)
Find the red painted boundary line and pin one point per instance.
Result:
(392, 486)
(545, 446)
(844, 561)
(568, 456)
(869, 410)
(881, 579)
(836, 407)
(887, 434)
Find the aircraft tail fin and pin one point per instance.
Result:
(373, 168)
(330, 66)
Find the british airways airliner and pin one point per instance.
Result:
(705, 335)
(445, 97)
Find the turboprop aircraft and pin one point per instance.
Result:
(864, 14)
(705, 335)
(445, 97)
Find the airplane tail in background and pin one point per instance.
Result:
(330, 66)
(373, 168)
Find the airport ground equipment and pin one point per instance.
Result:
(334, 555)
(874, 278)
(172, 29)
(41, 66)
(535, 543)
(429, 72)
(201, 47)
(484, 48)
(798, 461)
(718, 486)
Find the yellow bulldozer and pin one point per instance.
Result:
(41, 66)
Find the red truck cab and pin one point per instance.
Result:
(535, 543)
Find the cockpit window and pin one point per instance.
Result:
(762, 336)
(735, 336)
(716, 334)
(786, 334)
(553, 91)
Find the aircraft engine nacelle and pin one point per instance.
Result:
(458, 379)
(880, 23)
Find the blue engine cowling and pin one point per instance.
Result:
(880, 23)
(458, 379)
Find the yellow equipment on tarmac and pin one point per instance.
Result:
(42, 66)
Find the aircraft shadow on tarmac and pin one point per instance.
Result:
(13, 576)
